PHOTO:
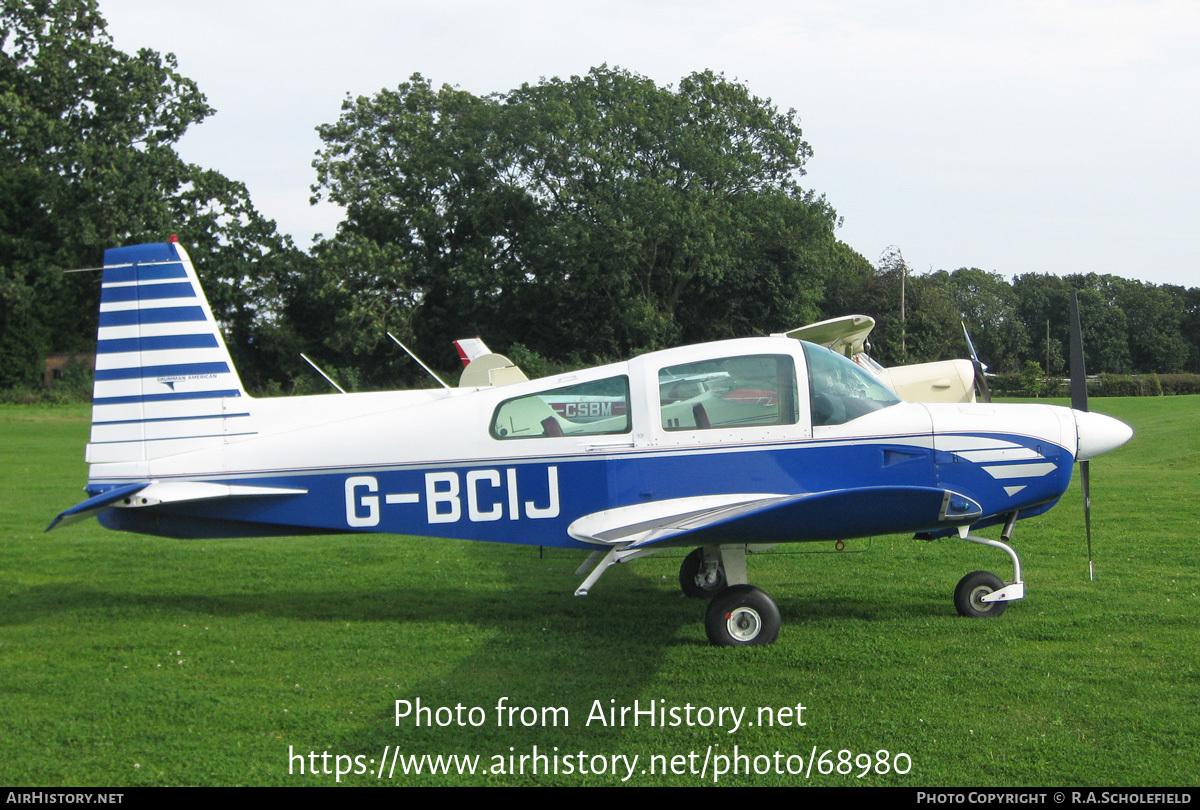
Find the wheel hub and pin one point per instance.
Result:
(977, 598)
(744, 623)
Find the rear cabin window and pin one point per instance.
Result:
(729, 392)
(589, 409)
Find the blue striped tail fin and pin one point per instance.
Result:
(165, 383)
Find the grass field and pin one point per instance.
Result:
(129, 660)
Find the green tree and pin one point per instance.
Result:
(87, 162)
(599, 214)
(1188, 303)
(1033, 380)
(848, 275)
(20, 336)
(1104, 324)
(1045, 299)
(340, 309)
(1154, 319)
(1042, 304)
(987, 304)
(425, 180)
(929, 327)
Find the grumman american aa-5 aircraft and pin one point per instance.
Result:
(725, 448)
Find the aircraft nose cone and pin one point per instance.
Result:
(1098, 434)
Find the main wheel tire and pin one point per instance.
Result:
(742, 616)
(968, 596)
(691, 581)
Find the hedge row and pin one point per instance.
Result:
(1105, 385)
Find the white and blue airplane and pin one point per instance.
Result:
(724, 447)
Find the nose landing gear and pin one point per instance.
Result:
(982, 594)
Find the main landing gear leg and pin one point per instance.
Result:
(738, 614)
(981, 593)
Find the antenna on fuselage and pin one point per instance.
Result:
(328, 379)
(418, 359)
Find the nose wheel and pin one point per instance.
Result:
(981, 593)
(971, 591)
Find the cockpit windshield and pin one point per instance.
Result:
(839, 390)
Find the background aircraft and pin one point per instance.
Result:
(939, 381)
(720, 447)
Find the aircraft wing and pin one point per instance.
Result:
(155, 493)
(772, 518)
(846, 335)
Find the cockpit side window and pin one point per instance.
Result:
(587, 409)
(729, 392)
(839, 391)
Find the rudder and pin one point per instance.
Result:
(165, 383)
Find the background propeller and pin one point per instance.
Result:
(981, 386)
(1079, 402)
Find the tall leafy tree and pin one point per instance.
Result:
(594, 215)
(87, 161)
(1104, 324)
(1188, 303)
(1154, 318)
(928, 329)
(987, 304)
(1042, 305)
(423, 177)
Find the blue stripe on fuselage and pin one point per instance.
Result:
(533, 500)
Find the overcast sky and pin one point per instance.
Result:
(1042, 136)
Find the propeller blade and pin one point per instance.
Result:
(981, 385)
(970, 345)
(1079, 402)
(1079, 397)
(985, 393)
(1084, 480)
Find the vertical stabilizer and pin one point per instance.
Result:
(165, 383)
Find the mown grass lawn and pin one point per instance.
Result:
(129, 660)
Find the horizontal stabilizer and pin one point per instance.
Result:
(180, 491)
(133, 496)
(747, 518)
(93, 505)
